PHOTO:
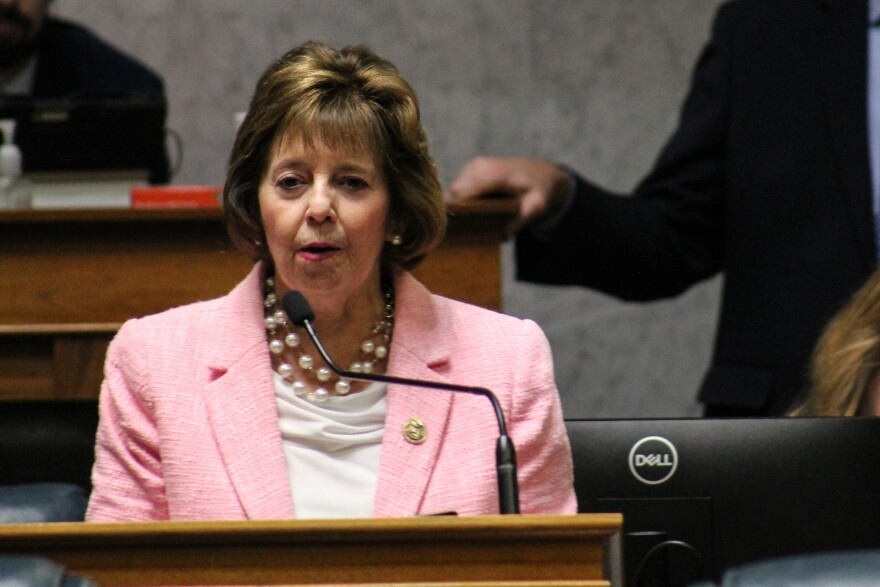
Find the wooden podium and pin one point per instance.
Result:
(69, 278)
(519, 550)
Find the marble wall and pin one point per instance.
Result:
(593, 84)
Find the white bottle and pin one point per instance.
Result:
(15, 190)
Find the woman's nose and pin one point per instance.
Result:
(321, 203)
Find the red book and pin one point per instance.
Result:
(176, 196)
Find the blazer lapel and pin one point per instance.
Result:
(842, 73)
(241, 406)
(420, 345)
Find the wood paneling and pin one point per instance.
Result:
(69, 278)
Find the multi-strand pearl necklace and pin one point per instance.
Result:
(326, 384)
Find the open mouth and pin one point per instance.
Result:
(318, 249)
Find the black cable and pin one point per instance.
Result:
(697, 556)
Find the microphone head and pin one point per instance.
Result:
(297, 308)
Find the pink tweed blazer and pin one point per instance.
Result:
(189, 429)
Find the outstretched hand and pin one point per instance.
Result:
(539, 186)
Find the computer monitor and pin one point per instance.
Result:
(91, 134)
(700, 496)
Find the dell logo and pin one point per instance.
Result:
(653, 460)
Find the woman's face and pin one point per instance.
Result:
(325, 214)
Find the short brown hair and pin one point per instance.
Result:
(349, 99)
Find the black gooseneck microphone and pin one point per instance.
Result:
(301, 314)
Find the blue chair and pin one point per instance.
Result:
(47, 449)
(46, 455)
(860, 568)
(32, 571)
(42, 502)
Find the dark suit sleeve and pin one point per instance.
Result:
(668, 234)
(73, 61)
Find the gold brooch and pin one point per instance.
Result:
(414, 431)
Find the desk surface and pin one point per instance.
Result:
(437, 550)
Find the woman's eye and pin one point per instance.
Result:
(354, 183)
(288, 182)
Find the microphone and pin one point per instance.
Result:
(301, 314)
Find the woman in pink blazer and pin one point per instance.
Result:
(224, 410)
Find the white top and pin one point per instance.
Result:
(332, 450)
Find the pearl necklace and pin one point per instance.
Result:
(373, 350)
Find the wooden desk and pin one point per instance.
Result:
(69, 278)
(444, 550)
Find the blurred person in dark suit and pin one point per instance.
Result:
(767, 179)
(42, 57)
